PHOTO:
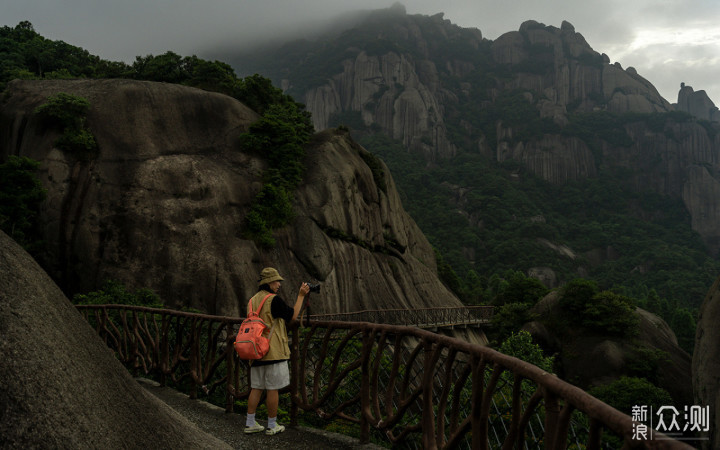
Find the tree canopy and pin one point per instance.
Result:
(20, 196)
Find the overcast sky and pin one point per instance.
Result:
(666, 41)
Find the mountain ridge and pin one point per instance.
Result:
(539, 100)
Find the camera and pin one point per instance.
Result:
(313, 287)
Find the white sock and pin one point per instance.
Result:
(250, 420)
(272, 421)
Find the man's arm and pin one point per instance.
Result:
(304, 289)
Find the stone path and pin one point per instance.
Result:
(229, 427)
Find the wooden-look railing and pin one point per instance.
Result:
(420, 317)
(411, 387)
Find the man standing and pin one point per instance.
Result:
(271, 373)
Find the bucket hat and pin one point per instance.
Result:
(268, 275)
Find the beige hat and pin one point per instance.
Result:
(269, 275)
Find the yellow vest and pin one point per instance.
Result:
(279, 347)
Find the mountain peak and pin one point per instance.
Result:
(697, 103)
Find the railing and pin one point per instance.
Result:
(421, 317)
(408, 386)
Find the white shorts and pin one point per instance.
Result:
(271, 376)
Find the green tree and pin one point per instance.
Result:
(521, 346)
(507, 319)
(65, 110)
(114, 292)
(577, 294)
(258, 93)
(68, 112)
(274, 205)
(626, 392)
(611, 314)
(279, 136)
(166, 67)
(473, 293)
(652, 302)
(26, 54)
(215, 75)
(603, 312)
(20, 197)
(446, 273)
(684, 325)
(519, 289)
(646, 362)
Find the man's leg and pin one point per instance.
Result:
(272, 401)
(278, 377)
(250, 425)
(254, 400)
(273, 398)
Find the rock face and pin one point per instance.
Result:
(404, 94)
(706, 363)
(340, 193)
(61, 387)
(392, 91)
(434, 86)
(589, 360)
(697, 103)
(565, 69)
(162, 205)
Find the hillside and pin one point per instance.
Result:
(530, 152)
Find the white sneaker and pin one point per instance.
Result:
(254, 429)
(276, 430)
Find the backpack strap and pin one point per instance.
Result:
(250, 310)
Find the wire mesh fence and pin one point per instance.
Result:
(397, 385)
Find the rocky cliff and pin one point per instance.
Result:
(391, 91)
(706, 363)
(590, 359)
(677, 159)
(61, 387)
(442, 90)
(697, 103)
(407, 77)
(162, 205)
(561, 65)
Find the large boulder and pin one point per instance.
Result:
(706, 362)
(162, 205)
(61, 386)
(590, 359)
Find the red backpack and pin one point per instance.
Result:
(250, 342)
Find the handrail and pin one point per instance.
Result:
(404, 384)
(422, 317)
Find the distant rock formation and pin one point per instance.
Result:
(574, 71)
(706, 363)
(420, 79)
(405, 95)
(61, 387)
(162, 205)
(697, 103)
(591, 359)
(391, 91)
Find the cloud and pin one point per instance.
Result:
(669, 56)
(667, 41)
